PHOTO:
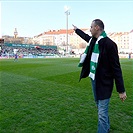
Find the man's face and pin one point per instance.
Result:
(94, 29)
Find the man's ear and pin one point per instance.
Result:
(97, 27)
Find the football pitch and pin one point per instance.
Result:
(45, 96)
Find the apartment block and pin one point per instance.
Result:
(64, 39)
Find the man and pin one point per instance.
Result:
(100, 62)
(15, 55)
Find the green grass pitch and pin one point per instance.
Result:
(45, 96)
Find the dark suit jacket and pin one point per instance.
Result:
(108, 68)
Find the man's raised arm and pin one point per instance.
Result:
(83, 35)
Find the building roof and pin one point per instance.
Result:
(58, 32)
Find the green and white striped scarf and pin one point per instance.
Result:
(94, 56)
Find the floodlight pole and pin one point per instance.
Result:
(67, 13)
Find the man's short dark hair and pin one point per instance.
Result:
(99, 23)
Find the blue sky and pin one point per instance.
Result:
(32, 17)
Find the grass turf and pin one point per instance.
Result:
(44, 96)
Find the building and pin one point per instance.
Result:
(59, 38)
(122, 40)
(124, 47)
(131, 41)
(15, 33)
